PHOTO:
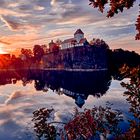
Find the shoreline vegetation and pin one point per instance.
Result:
(81, 58)
(56, 69)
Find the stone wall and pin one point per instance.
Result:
(80, 57)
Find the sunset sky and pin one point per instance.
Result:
(24, 23)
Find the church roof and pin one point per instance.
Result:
(79, 31)
(70, 40)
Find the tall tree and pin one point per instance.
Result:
(27, 52)
(38, 52)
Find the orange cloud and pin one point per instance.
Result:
(8, 12)
(4, 42)
(125, 42)
(15, 25)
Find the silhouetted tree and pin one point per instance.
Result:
(56, 48)
(44, 47)
(39, 84)
(119, 57)
(27, 52)
(38, 52)
(58, 42)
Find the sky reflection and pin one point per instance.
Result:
(18, 103)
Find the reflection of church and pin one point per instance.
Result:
(79, 98)
(77, 85)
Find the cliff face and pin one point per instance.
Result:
(81, 57)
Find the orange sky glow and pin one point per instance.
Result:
(26, 23)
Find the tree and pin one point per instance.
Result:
(44, 48)
(38, 52)
(115, 7)
(58, 42)
(138, 28)
(133, 97)
(90, 124)
(55, 48)
(27, 53)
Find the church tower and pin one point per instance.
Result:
(78, 35)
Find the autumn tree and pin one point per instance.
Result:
(116, 6)
(138, 27)
(133, 97)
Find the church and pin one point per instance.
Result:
(78, 40)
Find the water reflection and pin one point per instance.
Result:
(22, 93)
(76, 85)
(11, 77)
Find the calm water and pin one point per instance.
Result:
(21, 93)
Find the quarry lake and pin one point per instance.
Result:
(21, 93)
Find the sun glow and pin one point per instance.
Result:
(1, 49)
